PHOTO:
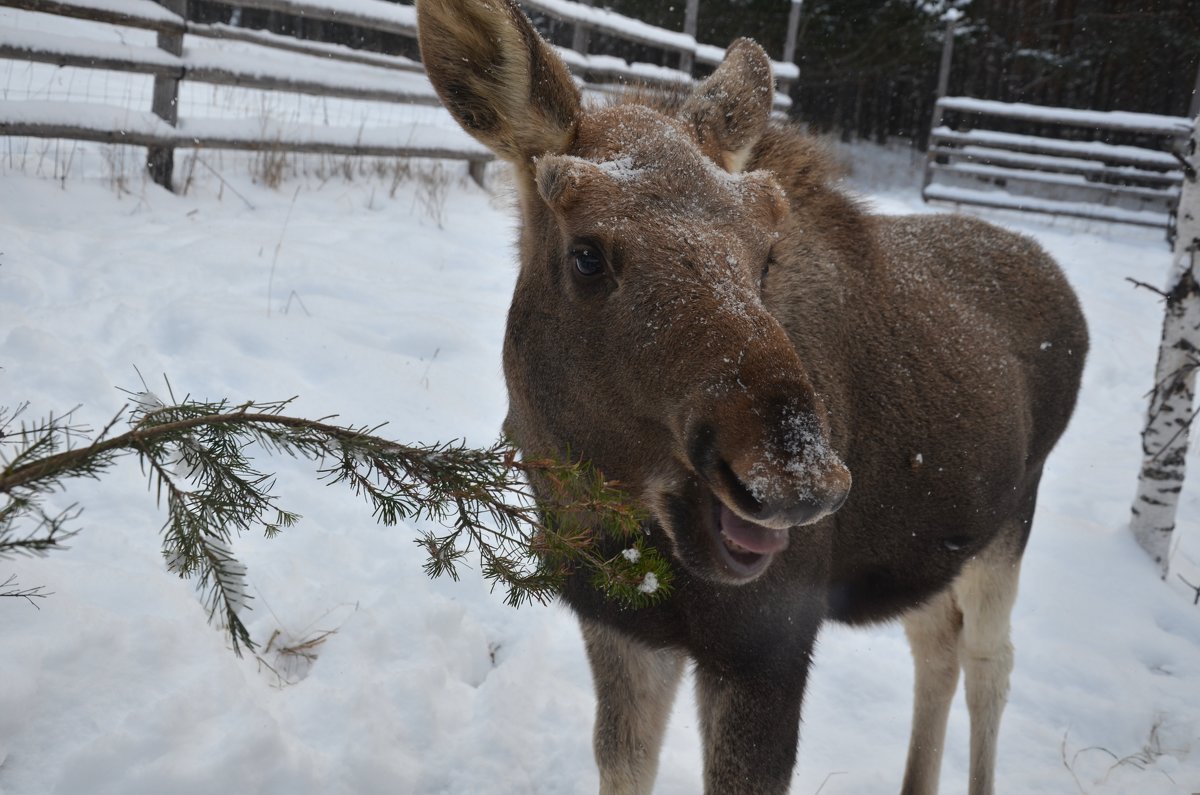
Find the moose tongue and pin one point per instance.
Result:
(751, 537)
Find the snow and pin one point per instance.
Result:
(383, 297)
(117, 684)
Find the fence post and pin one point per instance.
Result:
(691, 14)
(160, 160)
(1194, 108)
(789, 43)
(581, 36)
(793, 29)
(943, 85)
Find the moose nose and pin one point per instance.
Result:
(793, 480)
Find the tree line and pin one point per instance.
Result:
(868, 68)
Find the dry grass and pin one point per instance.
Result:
(1142, 759)
(289, 660)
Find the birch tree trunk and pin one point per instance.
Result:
(1165, 438)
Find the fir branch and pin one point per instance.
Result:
(194, 454)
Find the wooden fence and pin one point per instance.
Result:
(1102, 165)
(308, 68)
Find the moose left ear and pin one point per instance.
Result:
(731, 107)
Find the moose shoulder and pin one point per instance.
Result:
(703, 316)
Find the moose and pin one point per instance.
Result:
(826, 415)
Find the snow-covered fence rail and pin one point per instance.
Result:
(271, 63)
(1064, 167)
(281, 63)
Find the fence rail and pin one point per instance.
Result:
(1039, 159)
(297, 66)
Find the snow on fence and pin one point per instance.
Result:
(278, 63)
(1065, 167)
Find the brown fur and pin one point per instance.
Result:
(933, 359)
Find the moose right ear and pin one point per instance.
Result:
(497, 77)
(730, 109)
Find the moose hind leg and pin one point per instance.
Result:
(985, 592)
(933, 631)
(635, 687)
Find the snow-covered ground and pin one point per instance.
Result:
(381, 306)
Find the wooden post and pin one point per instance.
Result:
(1170, 416)
(581, 36)
(789, 43)
(943, 85)
(1194, 108)
(160, 160)
(793, 28)
(691, 15)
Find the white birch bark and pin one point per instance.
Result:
(1169, 419)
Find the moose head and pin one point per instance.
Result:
(638, 336)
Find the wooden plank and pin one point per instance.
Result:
(1086, 150)
(1006, 201)
(333, 52)
(206, 66)
(1058, 165)
(1151, 123)
(144, 129)
(142, 14)
(614, 24)
(218, 76)
(995, 173)
(371, 14)
(130, 64)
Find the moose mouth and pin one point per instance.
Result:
(744, 548)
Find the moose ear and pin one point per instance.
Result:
(497, 77)
(731, 107)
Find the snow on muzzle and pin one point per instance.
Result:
(767, 459)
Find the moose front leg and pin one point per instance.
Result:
(635, 687)
(751, 724)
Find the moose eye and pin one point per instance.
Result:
(588, 261)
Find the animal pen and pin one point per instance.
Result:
(1112, 166)
(188, 53)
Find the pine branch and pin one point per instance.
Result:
(194, 455)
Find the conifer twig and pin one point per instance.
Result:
(194, 454)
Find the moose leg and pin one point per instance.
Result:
(751, 724)
(635, 687)
(985, 591)
(933, 633)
